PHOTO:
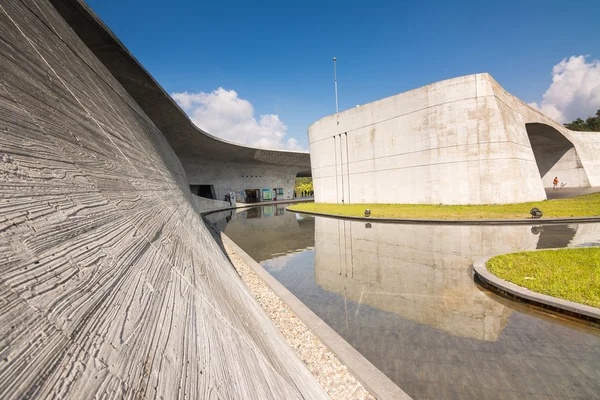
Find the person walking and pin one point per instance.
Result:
(555, 183)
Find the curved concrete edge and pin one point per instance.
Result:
(567, 307)
(241, 206)
(375, 381)
(527, 221)
(136, 79)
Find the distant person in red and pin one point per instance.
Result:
(555, 182)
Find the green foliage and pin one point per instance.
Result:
(303, 184)
(580, 206)
(592, 124)
(570, 274)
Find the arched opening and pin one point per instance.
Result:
(555, 156)
(303, 187)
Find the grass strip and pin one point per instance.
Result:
(580, 206)
(570, 274)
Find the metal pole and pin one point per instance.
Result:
(335, 84)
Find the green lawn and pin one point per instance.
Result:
(581, 206)
(570, 274)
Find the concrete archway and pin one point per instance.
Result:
(555, 156)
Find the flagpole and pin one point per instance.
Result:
(335, 84)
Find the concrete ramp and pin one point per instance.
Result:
(110, 284)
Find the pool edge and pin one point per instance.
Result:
(375, 381)
(509, 289)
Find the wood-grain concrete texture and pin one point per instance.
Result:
(460, 141)
(110, 284)
(207, 160)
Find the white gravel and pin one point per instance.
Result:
(335, 378)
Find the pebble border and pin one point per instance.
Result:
(372, 378)
(330, 373)
(509, 289)
(375, 381)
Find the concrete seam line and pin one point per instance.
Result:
(523, 221)
(420, 151)
(578, 310)
(372, 378)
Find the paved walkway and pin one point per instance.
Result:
(569, 192)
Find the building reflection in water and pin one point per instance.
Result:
(404, 297)
(266, 232)
(424, 272)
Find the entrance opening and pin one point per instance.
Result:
(555, 156)
(207, 191)
(252, 195)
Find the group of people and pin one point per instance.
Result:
(304, 193)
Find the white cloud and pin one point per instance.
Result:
(574, 92)
(224, 114)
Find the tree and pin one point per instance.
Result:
(303, 184)
(591, 124)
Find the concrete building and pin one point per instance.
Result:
(460, 141)
(214, 167)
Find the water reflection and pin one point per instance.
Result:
(422, 272)
(266, 232)
(404, 296)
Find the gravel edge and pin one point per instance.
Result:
(332, 375)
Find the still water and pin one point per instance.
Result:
(405, 298)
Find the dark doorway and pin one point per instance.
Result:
(207, 191)
(252, 195)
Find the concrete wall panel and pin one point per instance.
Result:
(111, 286)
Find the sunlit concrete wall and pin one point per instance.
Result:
(111, 286)
(459, 141)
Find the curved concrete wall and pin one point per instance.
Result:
(202, 155)
(459, 141)
(110, 284)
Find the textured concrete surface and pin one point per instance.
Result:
(459, 141)
(565, 306)
(203, 156)
(110, 284)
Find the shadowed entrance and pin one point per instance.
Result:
(555, 156)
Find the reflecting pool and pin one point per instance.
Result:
(404, 297)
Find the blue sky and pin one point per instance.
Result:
(277, 55)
